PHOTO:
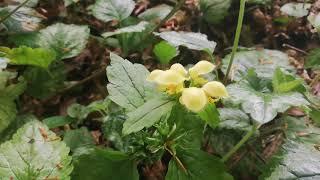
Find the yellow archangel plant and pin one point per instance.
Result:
(200, 91)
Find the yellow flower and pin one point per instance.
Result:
(170, 81)
(201, 68)
(194, 99)
(215, 90)
(180, 69)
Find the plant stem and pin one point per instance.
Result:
(240, 143)
(237, 38)
(13, 11)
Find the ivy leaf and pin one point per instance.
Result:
(147, 115)
(128, 86)
(108, 10)
(191, 40)
(28, 56)
(156, 13)
(232, 118)
(129, 29)
(296, 9)
(78, 138)
(264, 62)
(34, 153)
(24, 20)
(313, 59)
(66, 40)
(214, 11)
(263, 107)
(104, 164)
(210, 115)
(165, 52)
(283, 83)
(199, 165)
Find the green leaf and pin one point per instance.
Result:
(129, 29)
(45, 83)
(34, 153)
(210, 115)
(232, 118)
(57, 121)
(191, 40)
(69, 2)
(259, 2)
(104, 164)
(78, 138)
(263, 107)
(199, 165)
(214, 11)
(25, 19)
(264, 62)
(296, 9)
(165, 52)
(28, 56)
(66, 40)
(8, 112)
(78, 111)
(283, 83)
(147, 114)
(156, 13)
(128, 86)
(30, 3)
(315, 116)
(108, 10)
(314, 20)
(313, 59)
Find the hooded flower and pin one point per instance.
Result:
(215, 90)
(201, 68)
(194, 99)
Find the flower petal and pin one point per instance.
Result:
(202, 67)
(179, 68)
(169, 77)
(154, 74)
(194, 99)
(215, 89)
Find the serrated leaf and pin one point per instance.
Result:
(66, 40)
(214, 11)
(165, 52)
(263, 107)
(210, 115)
(24, 20)
(156, 13)
(283, 83)
(129, 29)
(296, 9)
(34, 153)
(199, 165)
(128, 86)
(147, 114)
(264, 62)
(28, 56)
(78, 138)
(104, 164)
(232, 118)
(314, 20)
(108, 10)
(313, 59)
(191, 40)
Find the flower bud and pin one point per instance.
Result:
(215, 89)
(194, 99)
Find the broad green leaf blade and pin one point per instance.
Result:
(128, 86)
(165, 52)
(108, 10)
(210, 115)
(28, 56)
(129, 29)
(263, 107)
(232, 118)
(296, 9)
(57, 121)
(199, 165)
(104, 164)
(214, 11)
(314, 20)
(156, 13)
(24, 20)
(147, 115)
(66, 40)
(78, 138)
(8, 112)
(313, 59)
(35, 153)
(315, 116)
(191, 40)
(264, 62)
(283, 83)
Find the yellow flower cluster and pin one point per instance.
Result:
(200, 92)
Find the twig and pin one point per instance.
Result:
(294, 48)
(176, 159)
(13, 11)
(237, 38)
